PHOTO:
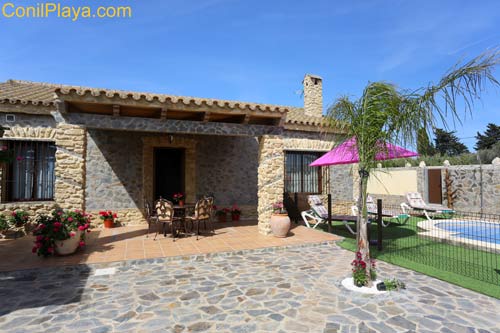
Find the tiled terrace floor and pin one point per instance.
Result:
(126, 243)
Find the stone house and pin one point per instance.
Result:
(93, 149)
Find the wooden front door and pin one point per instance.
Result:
(434, 186)
(169, 172)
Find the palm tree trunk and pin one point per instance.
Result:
(362, 224)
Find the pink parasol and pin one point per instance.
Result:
(347, 153)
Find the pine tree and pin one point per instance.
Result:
(489, 138)
(447, 143)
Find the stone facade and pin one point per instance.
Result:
(227, 169)
(119, 171)
(270, 178)
(114, 174)
(171, 126)
(107, 161)
(71, 142)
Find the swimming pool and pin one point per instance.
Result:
(474, 230)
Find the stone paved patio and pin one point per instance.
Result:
(296, 289)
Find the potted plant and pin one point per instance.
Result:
(359, 271)
(178, 198)
(62, 232)
(108, 217)
(18, 218)
(221, 214)
(235, 213)
(280, 222)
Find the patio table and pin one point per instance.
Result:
(181, 213)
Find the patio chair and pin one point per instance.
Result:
(201, 214)
(151, 216)
(210, 201)
(165, 215)
(416, 202)
(318, 214)
(371, 207)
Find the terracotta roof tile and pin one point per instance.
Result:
(15, 91)
(37, 93)
(297, 116)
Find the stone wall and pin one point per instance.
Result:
(341, 182)
(114, 174)
(478, 188)
(227, 169)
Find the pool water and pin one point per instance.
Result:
(475, 230)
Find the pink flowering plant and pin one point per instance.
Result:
(59, 226)
(18, 218)
(359, 273)
(178, 197)
(279, 208)
(235, 210)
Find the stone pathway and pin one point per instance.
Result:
(292, 290)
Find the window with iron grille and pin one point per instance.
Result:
(299, 176)
(30, 174)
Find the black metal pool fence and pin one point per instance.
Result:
(464, 243)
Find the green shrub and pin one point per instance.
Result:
(4, 224)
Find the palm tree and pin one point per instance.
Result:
(385, 113)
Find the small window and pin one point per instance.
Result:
(299, 176)
(30, 174)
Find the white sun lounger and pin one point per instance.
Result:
(415, 201)
(318, 214)
(371, 207)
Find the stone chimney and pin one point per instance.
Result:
(313, 95)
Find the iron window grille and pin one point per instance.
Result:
(30, 175)
(299, 176)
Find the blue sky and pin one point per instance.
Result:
(257, 50)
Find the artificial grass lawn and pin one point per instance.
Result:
(467, 267)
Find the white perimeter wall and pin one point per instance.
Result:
(394, 182)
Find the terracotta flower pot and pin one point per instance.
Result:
(109, 223)
(235, 217)
(181, 203)
(221, 218)
(68, 246)
(280, 225)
